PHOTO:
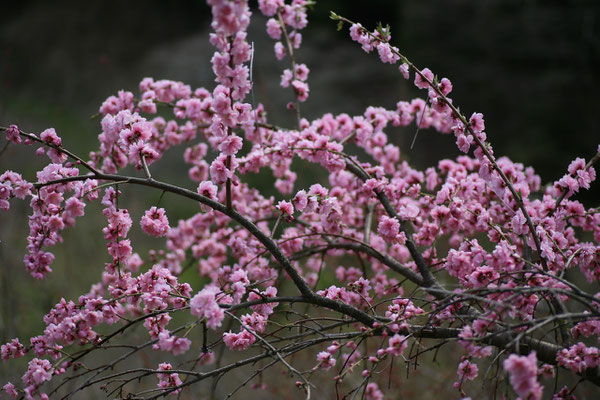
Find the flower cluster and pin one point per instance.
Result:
(355, 268)
(523, 375)
(283, 17)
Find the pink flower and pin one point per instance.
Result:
(404, 70)
(269, 7)
(10, 390)
(396, 345)
(301, 71)
(326, 360)
(286, 78)
(238, 341)
(254, 321)
(230, 145)
(389, 229)
(204, 305)
(584, 177)
(477, 123)
(74, 207)
(12, 134)
(167, 380)
(172, 343)
(408, 212)
(579, 357)
(385, 53)
(273, 29)
(523, 375)
(208, 189)
(463, 142)
(301, 89)
(155, 222)
(12, 349)
(219, 173)
(279, 50)
(467, 370)
(195, 154)
(300, 200)
(372, 392)
(267, 308)
(49, 136)
(38, 372)
(286, 208)
(445, 86)
(420, 82)
(355, 32)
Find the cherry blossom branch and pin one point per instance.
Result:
(60, 149)
(299, 282)
(456, 112)
(428, 278)
(275, 352)
(565, 192)
(290, 49)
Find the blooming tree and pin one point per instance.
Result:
(474, 253)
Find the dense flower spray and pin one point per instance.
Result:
(359, 270)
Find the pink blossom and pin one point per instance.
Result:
(267, 308)
(372, 392)
(300, 200)
(204, 305)
(579, 357)
(167, 380)
(523, 375)
(155, 222)
(12, 349)
(238, 341)
(12, 134)
(74, 207)
(403, 68)
(449, 209)
(274, 29)
(420, 82)
(389, 229)
(286, 78)
(172, 343)
(463, 142)
(355, 31)
(326, 360)
(219, 173)
(279, 50)
(301, 89)
(269, 7)
(301, 72)
(477, 123)
(385, 53)
(396, 345)
(49, 136)
(467, 370)
(208, 189)
(445, 86)
(230, 145)
(286, 208)
(10, 390)
(38, 372)
(254, 321)
(408, 212)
